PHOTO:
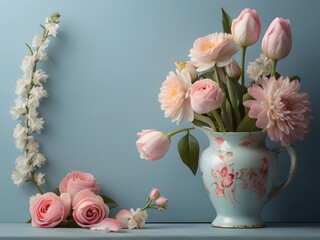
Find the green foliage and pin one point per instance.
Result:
(247, 124)
(226, 22)
(209, 75)
(57, 192)
(295, 77)
(188, 148)
(111, 203)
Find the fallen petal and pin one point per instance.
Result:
(108, 225)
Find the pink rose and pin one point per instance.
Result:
(246, 28)
(123, 217)
(88, 209)
(154, 193)
(213, 49)
(76, 181)
(49, 210)
(277, 41)
(161, 201)
(206, 96)
(152, 144)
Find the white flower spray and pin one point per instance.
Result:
(30, 91)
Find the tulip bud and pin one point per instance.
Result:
(189, 67)
(123, 217)
(161, 201)
(152, 144)
(233, 70)
(154, 194)
(246, 28)
(277, 41)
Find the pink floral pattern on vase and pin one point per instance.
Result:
(225, 177)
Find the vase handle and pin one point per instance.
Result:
(293, 167)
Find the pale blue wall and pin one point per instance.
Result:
(106, 68)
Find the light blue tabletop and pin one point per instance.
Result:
(167, 231)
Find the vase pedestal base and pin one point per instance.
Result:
(228, 222)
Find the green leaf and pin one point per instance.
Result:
(207, 75)
(247, 97)
(248, 125)
(29, 221)
(277, 75)
(295, 77)
(57, 192)
(69, 224)
(226, 22)
(188, 148)
(111, 203)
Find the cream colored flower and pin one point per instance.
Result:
(262, 66)
(138, 218)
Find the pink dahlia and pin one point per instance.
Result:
(174, 97)
(215, 48)
(280, 109)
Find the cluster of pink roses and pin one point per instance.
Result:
(206, 91)
(79, 202)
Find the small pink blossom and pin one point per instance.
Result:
(161, 201)
(174, 97)
(152, 144)
(154, 193)
(280, 109)
(206, 95)
(213, 49)
(76, 181)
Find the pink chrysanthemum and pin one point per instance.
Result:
(174, 97)
(280, 109)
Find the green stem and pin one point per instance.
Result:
(35, 183)
(274, 64)
(146, 206)
(221, 84)
(243, 54)
(178, 131)
(219, 121)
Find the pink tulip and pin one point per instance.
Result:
(123, 217)
(246, 28)
(277, 41)
(152, 144)
(88, 209)
(49, 210)
(206, 95)
(154, 194)
(76, 181)
(161, 201)
(233, 70)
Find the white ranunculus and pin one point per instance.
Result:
(39, 177)
(138, 218)
(36, 125)
(262, 66)
(39, 76)
(38, 92)
(19, 109)
(39, 160)
(17, 178)
(51, 27)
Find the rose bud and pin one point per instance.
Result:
(76, 181)
(161, 201)
(206, 95)
(189, 67)
(154, 194)
(152, 144)
(233, 70)
(277, 41)
(49, 210)
(123, 217)
(246, 28)
(88, 209)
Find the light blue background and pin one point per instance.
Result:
(106, 68)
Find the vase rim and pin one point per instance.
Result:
(205, 128)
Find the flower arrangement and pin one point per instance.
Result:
(209, 90)
(77, 201)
